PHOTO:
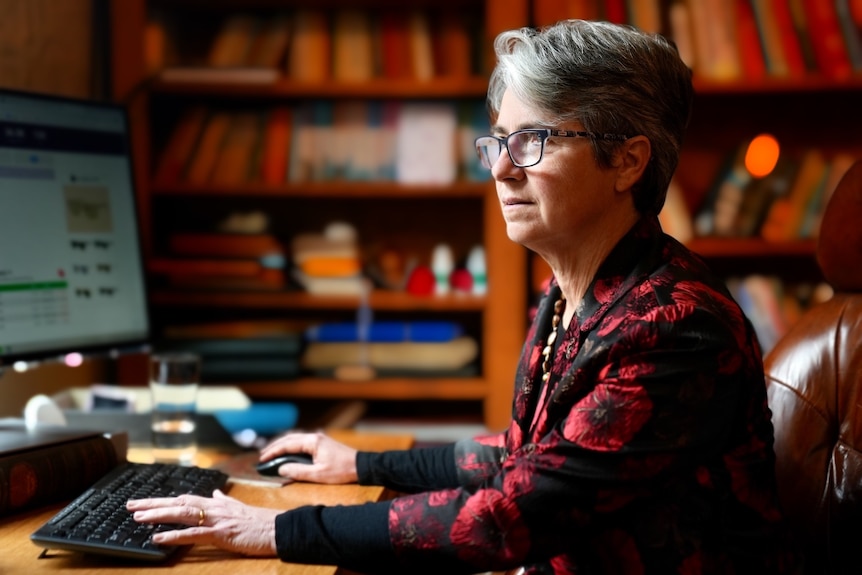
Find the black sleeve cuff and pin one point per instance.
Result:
(355, 537)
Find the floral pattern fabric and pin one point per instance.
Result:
(648, 451)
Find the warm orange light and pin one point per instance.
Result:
(761, 155)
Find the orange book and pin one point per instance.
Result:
(352, 46)
(547, 12)
(309, 56)
(451, 41)
(181, 145)
(645, 15)
(235, 156)
(207, 152)
(827, 39)
(421, 49)
(233, 41)
(751, 60)
(275, 150)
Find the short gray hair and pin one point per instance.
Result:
(612, 79)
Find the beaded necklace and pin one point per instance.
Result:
(548, 352)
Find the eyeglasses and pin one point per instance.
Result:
(526, 147)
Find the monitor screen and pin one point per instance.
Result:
(71, 275)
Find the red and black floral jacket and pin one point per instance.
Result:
(649, 451)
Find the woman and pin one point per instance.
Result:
(641, 440)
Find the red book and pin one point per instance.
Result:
(750, 48)
(616, 11)
(829, 49)
(276, 146)
(395, 45)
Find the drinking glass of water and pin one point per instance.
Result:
(174, 379)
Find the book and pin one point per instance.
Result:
(788, 37)
(206, 154)
(809, 226)
(760, 194)
(851, 31)
(615, 11)
(352, 46)
(800, 24)
(181, 145)
(681, 32)
(452, 46)
(721, 205)
(770, 39)
(645, 15)
(785, 215)
(827, 40)
(210, 75)
(309, 56)
(394, 45)
(233, 41)
(454, 354)
(547, 12)
(245, 267)
(751, 58)
(386, 331)
(269, 47)
(421, 46)
(224, 245)
(425, 143)
(50, 465)
(234, 164)
(275, 148)
(278, 345)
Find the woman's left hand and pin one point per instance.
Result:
(221, 521)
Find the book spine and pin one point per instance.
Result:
(829, 48)
(54, 473)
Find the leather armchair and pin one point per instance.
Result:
(814, 382)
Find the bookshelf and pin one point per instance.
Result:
(811, 108)
(413, 217)
(751, 80)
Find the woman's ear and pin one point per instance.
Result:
(633, 155)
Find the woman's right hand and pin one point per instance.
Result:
(333, 462)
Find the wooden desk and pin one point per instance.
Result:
(21, 556)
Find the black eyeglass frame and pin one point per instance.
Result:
(543, 134)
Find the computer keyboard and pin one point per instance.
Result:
(97, 521)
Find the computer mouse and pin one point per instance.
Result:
(270, 467)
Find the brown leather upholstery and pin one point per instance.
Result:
(814, 380)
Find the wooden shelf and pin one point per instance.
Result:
(331, 189)
(379, 300)
(713, 247)
(471, 87)
(388, 389)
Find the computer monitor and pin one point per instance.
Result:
(71, 273)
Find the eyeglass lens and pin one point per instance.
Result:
(524, 146)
